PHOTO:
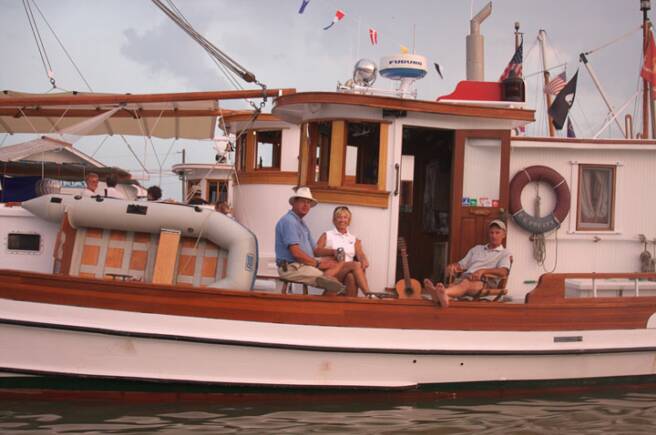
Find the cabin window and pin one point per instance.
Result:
(482, 176)
(24, 242)
(267, 146)
(362, 153)
(217, 191)
(241, 152)
(320, 134)
(596, 198)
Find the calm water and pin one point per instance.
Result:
(633, 413)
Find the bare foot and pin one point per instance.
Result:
(437, 292)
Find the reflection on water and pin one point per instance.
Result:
(632, 413)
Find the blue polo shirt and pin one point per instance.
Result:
(291, 230)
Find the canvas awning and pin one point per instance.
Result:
(189, 115)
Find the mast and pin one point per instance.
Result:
(644, 7)
(541, 37)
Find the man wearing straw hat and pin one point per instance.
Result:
(295, 247)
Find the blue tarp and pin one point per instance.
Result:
(18, 189)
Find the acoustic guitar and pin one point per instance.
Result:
(407, 288)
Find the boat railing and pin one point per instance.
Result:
(554, 287)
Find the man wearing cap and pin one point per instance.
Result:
(491, 258)
(295, 247)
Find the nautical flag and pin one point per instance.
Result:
(648, 71)
(570, 128)
(556, 85)
(514, 68)
(404, 49)
(438, 69)
(338, 17)
(563, 102)
(303, 6)
(373, 36)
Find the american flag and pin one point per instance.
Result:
(556, 85)
(514, 68)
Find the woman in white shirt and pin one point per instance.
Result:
(340, 242)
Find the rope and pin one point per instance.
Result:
(100, 146)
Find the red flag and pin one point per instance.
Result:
(338, 17)
(648, 71)
(373, 36)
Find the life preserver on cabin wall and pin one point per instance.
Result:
(532, 224)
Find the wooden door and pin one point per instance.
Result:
(480, 172)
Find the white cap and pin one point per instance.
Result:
(499, 223)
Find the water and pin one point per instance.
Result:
(631, 413)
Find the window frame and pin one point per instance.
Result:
(612, 226)
(276, 155)
(312, 151)
(375, 185)
(24, 251)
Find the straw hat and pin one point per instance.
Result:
(302, 192)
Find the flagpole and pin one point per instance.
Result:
(583, 58)
(644, 7)
(541, 35)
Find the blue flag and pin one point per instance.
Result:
(303, 6)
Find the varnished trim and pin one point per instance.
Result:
(351, 196)
(337, 153)
(267, 177)
(247, 116)
(540, 314)
(310, 348)
(382, 156)
(89, 113)
(468, 110)
(100, 99)
(551, 286)
(250, 151)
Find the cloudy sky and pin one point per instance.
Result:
(131, 46)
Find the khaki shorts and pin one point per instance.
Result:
(300, 273)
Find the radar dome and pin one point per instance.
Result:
(403, 66)
(364, 72)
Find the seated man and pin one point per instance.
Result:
(490, 258)
(91, 180)
(295, 247)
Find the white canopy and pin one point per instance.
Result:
(190, 115)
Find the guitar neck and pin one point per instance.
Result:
(406, 269)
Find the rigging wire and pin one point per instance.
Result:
(45, 61)
(207, 45)
(70, 58)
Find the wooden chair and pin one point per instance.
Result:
(287, 286)
(493, 286)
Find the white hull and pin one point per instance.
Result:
(60, 340)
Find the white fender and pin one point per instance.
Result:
(152, 217)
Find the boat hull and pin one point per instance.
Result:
(50, 339)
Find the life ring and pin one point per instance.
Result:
(532, 224)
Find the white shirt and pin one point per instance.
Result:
(335, 240)
(89, 192)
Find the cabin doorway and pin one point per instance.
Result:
(425, 200)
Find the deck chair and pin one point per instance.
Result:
(494, 286)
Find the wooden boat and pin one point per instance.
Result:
(113, 304)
